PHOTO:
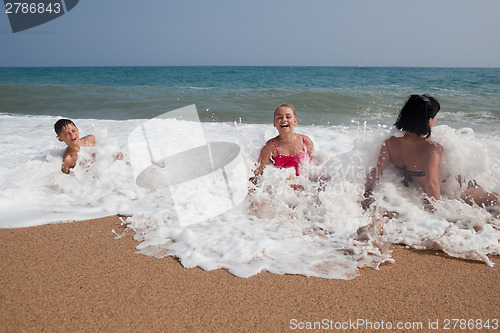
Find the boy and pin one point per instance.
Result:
(68, 133)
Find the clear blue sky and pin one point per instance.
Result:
(450, 33)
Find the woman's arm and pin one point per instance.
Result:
(384, 159)
(432, 186)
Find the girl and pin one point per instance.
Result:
(288, 149)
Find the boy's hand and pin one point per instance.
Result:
(69, 161)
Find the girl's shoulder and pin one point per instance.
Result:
(271, 145)
(272, 142)
(303, 137)
(307, 140)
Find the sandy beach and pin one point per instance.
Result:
(78, 277)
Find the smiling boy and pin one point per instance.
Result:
(68, 133)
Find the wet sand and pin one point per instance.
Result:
(78, 277)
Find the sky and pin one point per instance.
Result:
(413, 33)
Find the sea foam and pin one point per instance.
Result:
(313, 231)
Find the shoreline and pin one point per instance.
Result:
(78, 277)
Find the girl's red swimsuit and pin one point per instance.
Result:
(291, 161)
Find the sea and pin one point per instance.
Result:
(176, 146)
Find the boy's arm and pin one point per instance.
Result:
(69, 161)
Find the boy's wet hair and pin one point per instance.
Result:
(61, 123)
(415, 114)
(285, 105)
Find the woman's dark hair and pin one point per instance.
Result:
(415, 114)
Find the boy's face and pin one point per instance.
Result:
(70, 136)
(284, 119)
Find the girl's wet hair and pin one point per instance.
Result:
(287, 106)
(415, 114)
(61, 123)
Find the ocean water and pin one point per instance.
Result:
(347, 112)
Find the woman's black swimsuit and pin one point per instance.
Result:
(408, 174)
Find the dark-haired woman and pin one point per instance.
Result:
(416, 157)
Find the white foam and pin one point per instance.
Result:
(310, 232)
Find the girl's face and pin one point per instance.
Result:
(284, 119)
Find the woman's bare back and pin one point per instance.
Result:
(418, 159)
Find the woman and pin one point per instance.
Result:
(416, 157)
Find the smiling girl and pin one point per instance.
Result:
(288, 149)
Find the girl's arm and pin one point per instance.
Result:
(432, 187)
(309, 144)
(264, 158)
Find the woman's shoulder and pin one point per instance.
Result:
(435, 147)
(392, 141)
(431, 148)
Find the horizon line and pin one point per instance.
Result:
(310, 66)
